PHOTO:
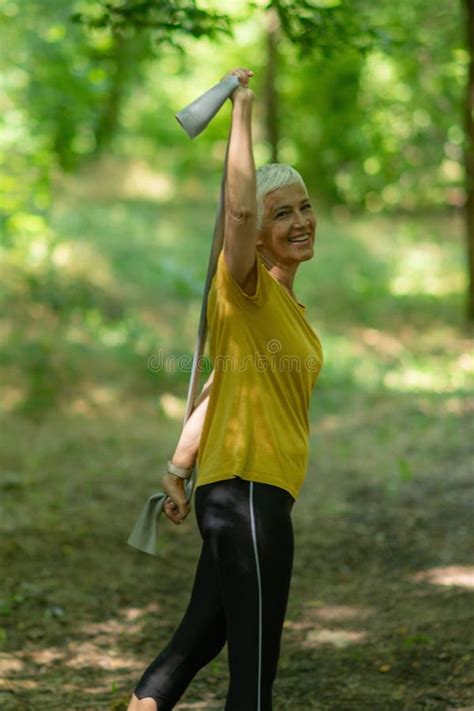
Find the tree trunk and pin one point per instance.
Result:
(110, 114)
(469, 157)
(270, 91)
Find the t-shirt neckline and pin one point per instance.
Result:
(298, 303)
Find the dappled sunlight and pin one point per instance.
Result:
(343, 355)
(327, 423)
(385, 344)
(80, 654)
(421, 269)
(334, 638)
(20, 684)
(99, 651)
(111, 629)
(435, 378)
(454, 406)
(95, 398)
(89, 654)
(120, 178)
(405, 360)
(8, 664)
(420, 257)
(458, 575)
(313, 632)
(132, 613)
(75, 259)
(140, 181)
(173, 407)
(11, 397)
(98, 688)
(319, 610)
(116, 402)
(11, 684)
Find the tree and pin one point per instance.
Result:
(272, 109)
(469, 155)
(124, 61)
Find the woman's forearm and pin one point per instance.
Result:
(241, 180)
(188, 443)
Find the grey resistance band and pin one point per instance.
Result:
(194, 119)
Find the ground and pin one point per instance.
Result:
(380, 610)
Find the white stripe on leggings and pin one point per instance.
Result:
(254, 538)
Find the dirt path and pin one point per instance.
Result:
(380, 614)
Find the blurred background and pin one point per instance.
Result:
(107, 206)
(106, 212)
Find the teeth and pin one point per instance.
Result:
(299, 239)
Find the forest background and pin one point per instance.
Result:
(106, 213)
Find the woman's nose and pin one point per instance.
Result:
(299, 218)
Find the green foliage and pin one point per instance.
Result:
(121, 282)
(65, 78)
(382, 129)
(375, 90)
(328, 27)
(370, 100)
(168, 20)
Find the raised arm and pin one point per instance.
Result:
(240, 188)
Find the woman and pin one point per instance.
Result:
(248, 435)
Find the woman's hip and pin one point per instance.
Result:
(223, 506)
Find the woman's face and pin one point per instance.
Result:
(288, 216)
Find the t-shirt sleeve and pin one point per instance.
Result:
(228, 289)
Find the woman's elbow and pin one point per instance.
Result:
(242, 213)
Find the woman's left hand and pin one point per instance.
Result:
(243, 89)
(176, 506)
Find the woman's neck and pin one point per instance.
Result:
(283, 274)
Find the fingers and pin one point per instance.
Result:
(243, 74)
(176, 506)
(172, 511)
(176, 512)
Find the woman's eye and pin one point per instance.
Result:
(283, 214)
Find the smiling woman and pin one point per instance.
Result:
(252, 455)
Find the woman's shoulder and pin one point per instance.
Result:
(253, 292)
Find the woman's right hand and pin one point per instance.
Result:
(242, 91)
(176, 506)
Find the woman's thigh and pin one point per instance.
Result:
(248, 528)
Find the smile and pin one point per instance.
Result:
(303, 238)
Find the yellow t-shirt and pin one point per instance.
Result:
(266, 360)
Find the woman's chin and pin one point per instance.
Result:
(306, 254)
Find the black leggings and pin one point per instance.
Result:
(239, 596)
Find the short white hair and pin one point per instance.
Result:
(272, 176)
